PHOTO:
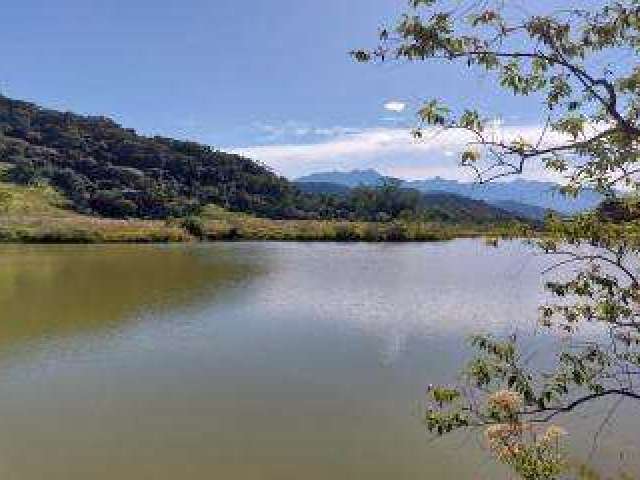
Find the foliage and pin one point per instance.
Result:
(590, 133)
(106, 169)
(195, 226)
(542, 55)
(220, 224)
(40, 214)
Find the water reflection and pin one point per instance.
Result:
(397, 293)
(48, 292)
(248, 361)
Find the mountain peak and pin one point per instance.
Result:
(353, 178)
(542, 194)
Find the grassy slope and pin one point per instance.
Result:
(40, 214)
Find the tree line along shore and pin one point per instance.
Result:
(40, 214)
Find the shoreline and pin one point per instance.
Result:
(41, 215)
(104, 231)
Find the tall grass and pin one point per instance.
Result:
(219, 224)
(41, 215)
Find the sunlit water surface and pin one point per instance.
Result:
(256, 360)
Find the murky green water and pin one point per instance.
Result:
(250, 361)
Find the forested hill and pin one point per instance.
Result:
(108, 170)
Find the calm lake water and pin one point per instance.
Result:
(268, 361)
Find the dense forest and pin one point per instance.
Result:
(108, 170)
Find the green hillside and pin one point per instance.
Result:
(109, 170)
(41, 214)
(103, 169)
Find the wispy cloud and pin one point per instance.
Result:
(395, 106)
(392, 151)
(294, 132)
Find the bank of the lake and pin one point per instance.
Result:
(40, 215)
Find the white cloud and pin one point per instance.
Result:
(392, 151)
(395, 106)
(302, 131)
(334, 131)
(295, 131)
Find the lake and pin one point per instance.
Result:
(255, 360)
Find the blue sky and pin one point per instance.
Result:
(269, 78)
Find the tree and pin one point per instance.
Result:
(569, 61)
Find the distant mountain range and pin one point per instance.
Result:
(529, 192)
(524, 197)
